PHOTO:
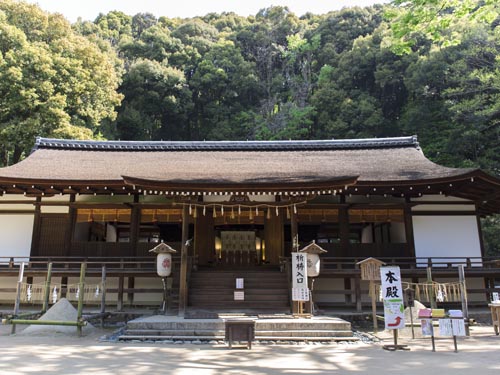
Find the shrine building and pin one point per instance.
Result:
(241, 208)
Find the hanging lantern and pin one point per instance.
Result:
(313, 261)
(163, 259)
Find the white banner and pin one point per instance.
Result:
(300, 291)
(392, 294)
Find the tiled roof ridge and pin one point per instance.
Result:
(291, 145)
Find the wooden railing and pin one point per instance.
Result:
(130, 268)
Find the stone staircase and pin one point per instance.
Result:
(162, 328)
(265, 290)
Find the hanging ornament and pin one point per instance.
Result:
(77, 294)
(28, 293)
(214, 212)
(222, 210)
(250, 214)
(204, 210)
(294, 209)
(288, 213)
(439, 295)
(256, 211)
(232, 213)
(268, 213)
(239, 210)
(195, 212)
(96, 294)
(190, 209)
(277, 211)
(54, 295)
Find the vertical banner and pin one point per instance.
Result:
(300, 291)
(392, 294)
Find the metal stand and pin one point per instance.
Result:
(164, 302)
(395, 346)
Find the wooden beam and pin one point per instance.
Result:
(344, 229)
(71, 226)
(183, 291)
(410, 237)
(135, 222)
(37, 223)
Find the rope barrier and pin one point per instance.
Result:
(34, 293)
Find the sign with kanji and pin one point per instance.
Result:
(300, 294)
(392, 294)
(300, 291)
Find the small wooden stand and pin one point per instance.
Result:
(370, 270)
(395, 346)
(240, 330)
(495, 316)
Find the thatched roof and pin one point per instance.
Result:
(248, 165)
(398, 159)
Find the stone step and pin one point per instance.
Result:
(221, 333)
(174, 332)
(186, 325)
(221, 338)
(303, 333)
(261, 325)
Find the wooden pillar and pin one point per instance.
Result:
(135, 222)
(344, 227)
(410, 239)
(480, 233)
(37, 223)
(119, 304)
(130, 287)
(294, 230)
(183, 291)
(347, 287)
(357, 291)
(71, 225)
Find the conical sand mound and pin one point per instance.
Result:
(63, 311)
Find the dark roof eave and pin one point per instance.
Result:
(340, 182)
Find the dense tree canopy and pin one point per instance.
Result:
(53, 82)
(425, 67)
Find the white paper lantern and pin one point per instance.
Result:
(164, 264)
(313, 265)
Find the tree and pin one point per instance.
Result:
(156, 103)
(434, 19)
(53, 82)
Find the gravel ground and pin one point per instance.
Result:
(67, 354)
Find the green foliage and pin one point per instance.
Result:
(424, 67)
(53, 82)
(442, 21)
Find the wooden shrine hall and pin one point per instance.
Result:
(241, 205)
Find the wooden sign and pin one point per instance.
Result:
(392, 293)
(239, 295)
